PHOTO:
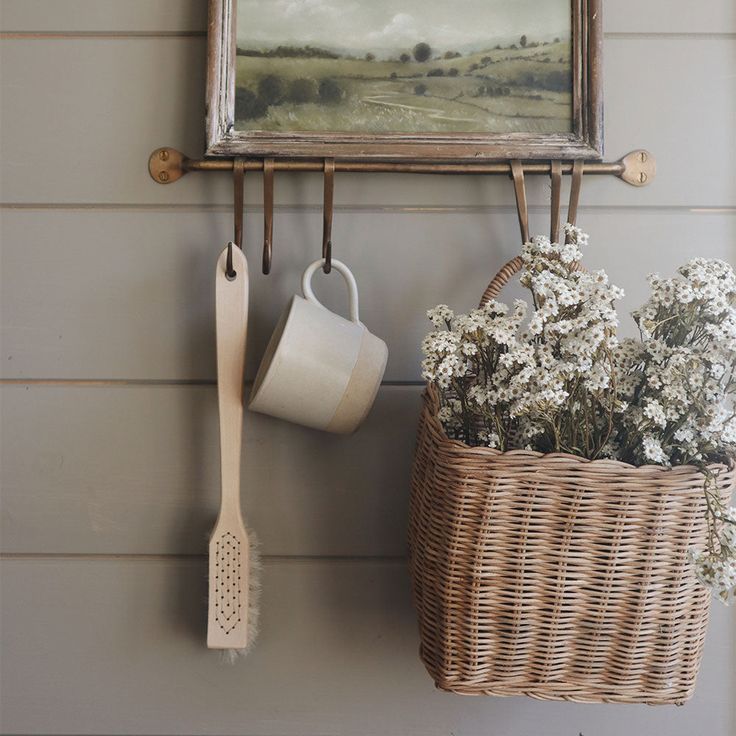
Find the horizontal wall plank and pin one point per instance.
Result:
(129, 294)
(103, 16)
(87, 113)
(665, 16)
(95, 647)
(135, 470)
(166, 16)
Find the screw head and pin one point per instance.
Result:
(164, 155)
(163, 176)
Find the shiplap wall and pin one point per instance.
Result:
(109, 431)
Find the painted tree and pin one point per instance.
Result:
(422, 52)
(330, 92)
(302, 90)
(271, 89)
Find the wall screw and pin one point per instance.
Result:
(163, 176)
(164, 155)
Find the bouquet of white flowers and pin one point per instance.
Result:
(559, 380)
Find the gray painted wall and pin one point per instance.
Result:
(109, 434)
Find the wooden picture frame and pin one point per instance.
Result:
(584, 142)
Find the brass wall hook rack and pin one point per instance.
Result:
(637, 168)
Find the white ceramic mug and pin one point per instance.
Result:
(320, 369)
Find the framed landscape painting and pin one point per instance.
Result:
(422, 80)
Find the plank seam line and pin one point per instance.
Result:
(671, 35)
(107, 35)
(361, 209)
(31, 35)
(153, 382)
(136, 557)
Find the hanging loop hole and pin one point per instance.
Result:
(230, 273)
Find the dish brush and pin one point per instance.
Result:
(234, 566)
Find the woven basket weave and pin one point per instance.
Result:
(554, 576)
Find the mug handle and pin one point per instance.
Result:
(345, 272)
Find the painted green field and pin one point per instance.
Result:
(499, 90)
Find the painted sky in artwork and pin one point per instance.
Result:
(387, 25)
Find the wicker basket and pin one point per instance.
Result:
(554, 576)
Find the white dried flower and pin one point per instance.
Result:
(653, 410)
(440, 315)
(716, 573)
(514, 379)
(563, 382)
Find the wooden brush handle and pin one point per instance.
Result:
(231, 317)
(227, 622)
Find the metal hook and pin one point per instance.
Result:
(238, 199)
(268, 167)
(329, 196)
(522, 210)
(578, 167)
(556, 183)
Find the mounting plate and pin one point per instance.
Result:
(640, 168)
(166, 165)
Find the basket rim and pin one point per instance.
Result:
(429, 396)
